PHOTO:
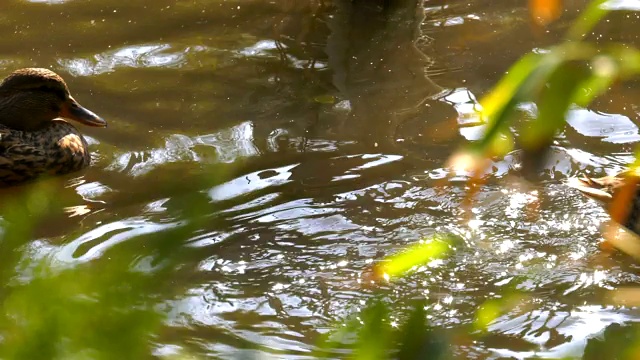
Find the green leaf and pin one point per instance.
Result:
(594, 12)
(374, 335)
(417, 254)
(420, 341)
(325, 99)
(598, 81)
(524, 79)
(554, 103)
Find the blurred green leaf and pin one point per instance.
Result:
(325, 99)
(417, 254)
(553, 104)
(486, 314)
(524, 79)
(418, 340)
(103, 309)
(497, 101)
(491, 309)
(329, 342)
(618, 342)
(594, 12)
(375, 334)
(596, 83)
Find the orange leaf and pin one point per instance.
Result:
(544, 11)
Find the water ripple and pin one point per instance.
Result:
(107, 236)
(134, 56)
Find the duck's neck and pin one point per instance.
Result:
(18, 113)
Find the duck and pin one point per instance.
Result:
(36, 138)
(619, 194)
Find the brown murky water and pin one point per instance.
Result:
(314, 136)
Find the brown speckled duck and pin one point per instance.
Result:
(34, 138)
(620, 194)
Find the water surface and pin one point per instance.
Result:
(312, 138)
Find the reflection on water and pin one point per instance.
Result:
(616, 129)
(312, 137)
(144, 56)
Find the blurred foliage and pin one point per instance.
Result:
(619, 342)
(377, 338)
(416, 255)
(572, 73)
(103, 309)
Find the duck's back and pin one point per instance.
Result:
(57, 149)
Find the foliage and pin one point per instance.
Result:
(106, 309)
(572, 73)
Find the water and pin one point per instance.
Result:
(310, 137)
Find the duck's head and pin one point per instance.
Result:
(31, 98)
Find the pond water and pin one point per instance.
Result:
(312, 137)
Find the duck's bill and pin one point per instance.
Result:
(74, 111)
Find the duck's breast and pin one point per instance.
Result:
(57, 149)
(68, 149)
